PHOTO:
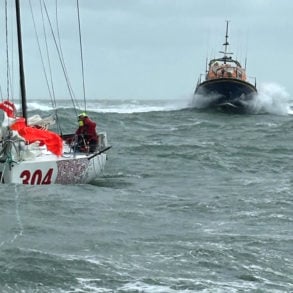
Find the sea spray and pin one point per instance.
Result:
(200, 101)
(272, 98)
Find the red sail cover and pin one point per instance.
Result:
(9, 108)
(31, 134)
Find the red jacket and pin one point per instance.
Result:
(88, 130)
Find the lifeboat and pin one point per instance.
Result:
(225, 84)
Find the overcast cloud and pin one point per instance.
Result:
(153, 49)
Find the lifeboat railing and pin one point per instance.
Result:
(252, 80)
(202, 77)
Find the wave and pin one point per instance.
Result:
(272, 98)
(113, 106)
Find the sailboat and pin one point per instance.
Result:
(225, 85)
(32, 154)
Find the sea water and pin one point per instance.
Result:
(190, 201)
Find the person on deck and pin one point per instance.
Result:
(86, 134)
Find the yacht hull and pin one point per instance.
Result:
(71, 169)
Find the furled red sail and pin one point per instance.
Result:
(31, 134)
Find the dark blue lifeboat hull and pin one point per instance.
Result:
(227, 94)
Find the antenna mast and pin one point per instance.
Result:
(226, 44)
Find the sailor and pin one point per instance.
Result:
(86, 134)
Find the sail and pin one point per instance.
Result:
(30, 134)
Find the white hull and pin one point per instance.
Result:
(35, 165)
(48, 169)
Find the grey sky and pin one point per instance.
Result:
(153, 49)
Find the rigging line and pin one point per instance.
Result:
(75, 104)
(9, 65)
(18, 218)
(1, 93)
(51, 91)
(7, 50)
(53, 100)
(20, 231)
(12, 53)
(59, 43)
(61, 60)
(74, 100)
(40, 50)
(81, 54)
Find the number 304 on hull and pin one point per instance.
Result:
(48, 170)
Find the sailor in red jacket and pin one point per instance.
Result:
(87, 135)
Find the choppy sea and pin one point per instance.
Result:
(190, 201)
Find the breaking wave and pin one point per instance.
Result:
(115, 106)
(272, 98)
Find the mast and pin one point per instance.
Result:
(226, 44)
(20, 57)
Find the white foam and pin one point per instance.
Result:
(137, 106)
(40, 106)
(202, 101)
(143, 287)
(272, 98)
(116, 106)
(90, 286)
